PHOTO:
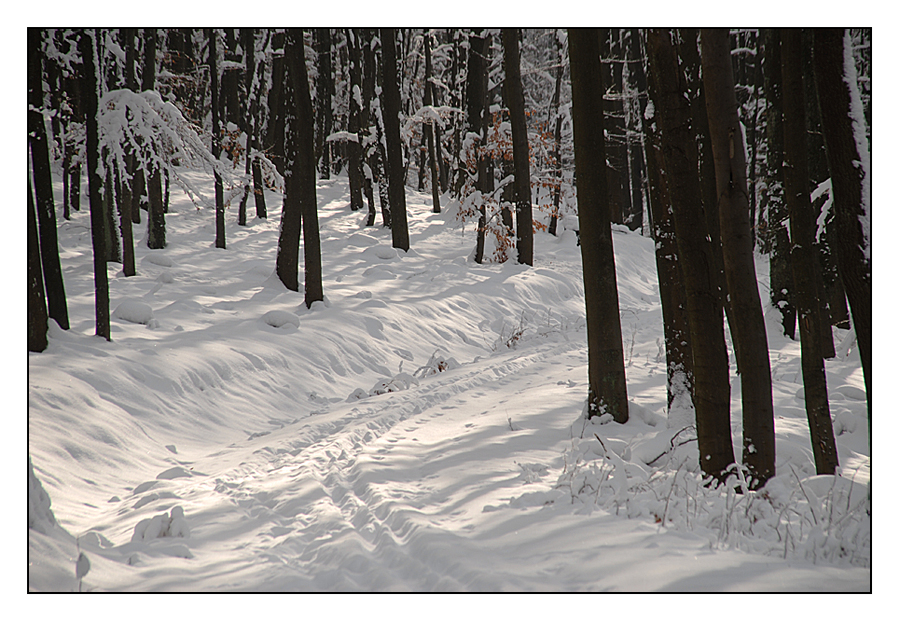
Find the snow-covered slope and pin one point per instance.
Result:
(420, 430)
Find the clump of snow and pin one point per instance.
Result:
(278, 319)
(400, 382)
(134, 311)
(438, 363)
(172, 525)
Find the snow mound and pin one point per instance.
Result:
(134, 311)
(40, 516)
(436, 364)
(279, 319)
(381, 252)
(172, 525)
(400, 382)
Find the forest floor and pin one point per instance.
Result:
(420, 430)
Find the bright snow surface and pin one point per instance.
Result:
(421, 430)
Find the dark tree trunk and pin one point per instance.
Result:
(749, 328)
(123, 204)
(247, 44)
(365, 118)
(212, 37)
(429, 129)
(380, 152)
(275, 129)
(37, 304)
(324, 94)
(689, 51)
(780, 277)
(524, 226)
(803, 256)
(637, 85)
(712, 393)
(676, 329)
(43, 185)
(850, 187)
(391, 91)
(156, 218)
(255, 167)
(617, 160)
(476, 119)
(354, 148)
(606, 363)
(557, 136)
(98, 223)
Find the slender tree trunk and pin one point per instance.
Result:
(255, 167)
(37, 304)
(98, 223)
(391, 91)
(476, 94)
(524, 226)
(606, 363)
(288, 255)
(712, 392)
(213, 40)
(780, 278)
(324, 93)
(354, 148)
(429, 129)
(247, 43)
(380, 155)
(803, 256)
(847, 148)
(557, 135)
(365, 119)
(43, 185)
(676, 329)
(156, 218)
(752, 347)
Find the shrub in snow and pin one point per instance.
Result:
(400, 382)
(817, 518)
(436, 364)
(358, 394)
(171, 525)
(134, 312)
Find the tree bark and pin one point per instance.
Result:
(850, 185)
(396, 190)
(303, 164)
(429, 129)
(212, 37)
(749, 334)
(803, 256)
(476, 117)
(524, 225)
(712, 392)
(354, 148)
(43, 185)
(37, 304)
(676, 329)
(780, 278)
(95, 183)
(156, 219)
(606, 363)
(324, 94)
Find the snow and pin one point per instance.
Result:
(234, 447)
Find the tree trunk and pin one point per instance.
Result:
(557, 118)
(324, 93)
(37, 304)
(780, 278)
(43, 185)
(606, 364)
(156, 219)
(524, 225)
(803, 256)
(712, 393)
(212, 37)
(98, 223)
(247, 43)
(617, 162)
(847, 150)
(476, 121)
(676, 329)
(391, 91)
(749, 334)
(368, 96)
(429, 129)
(354, 148)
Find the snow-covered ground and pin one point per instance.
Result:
(419, 431)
